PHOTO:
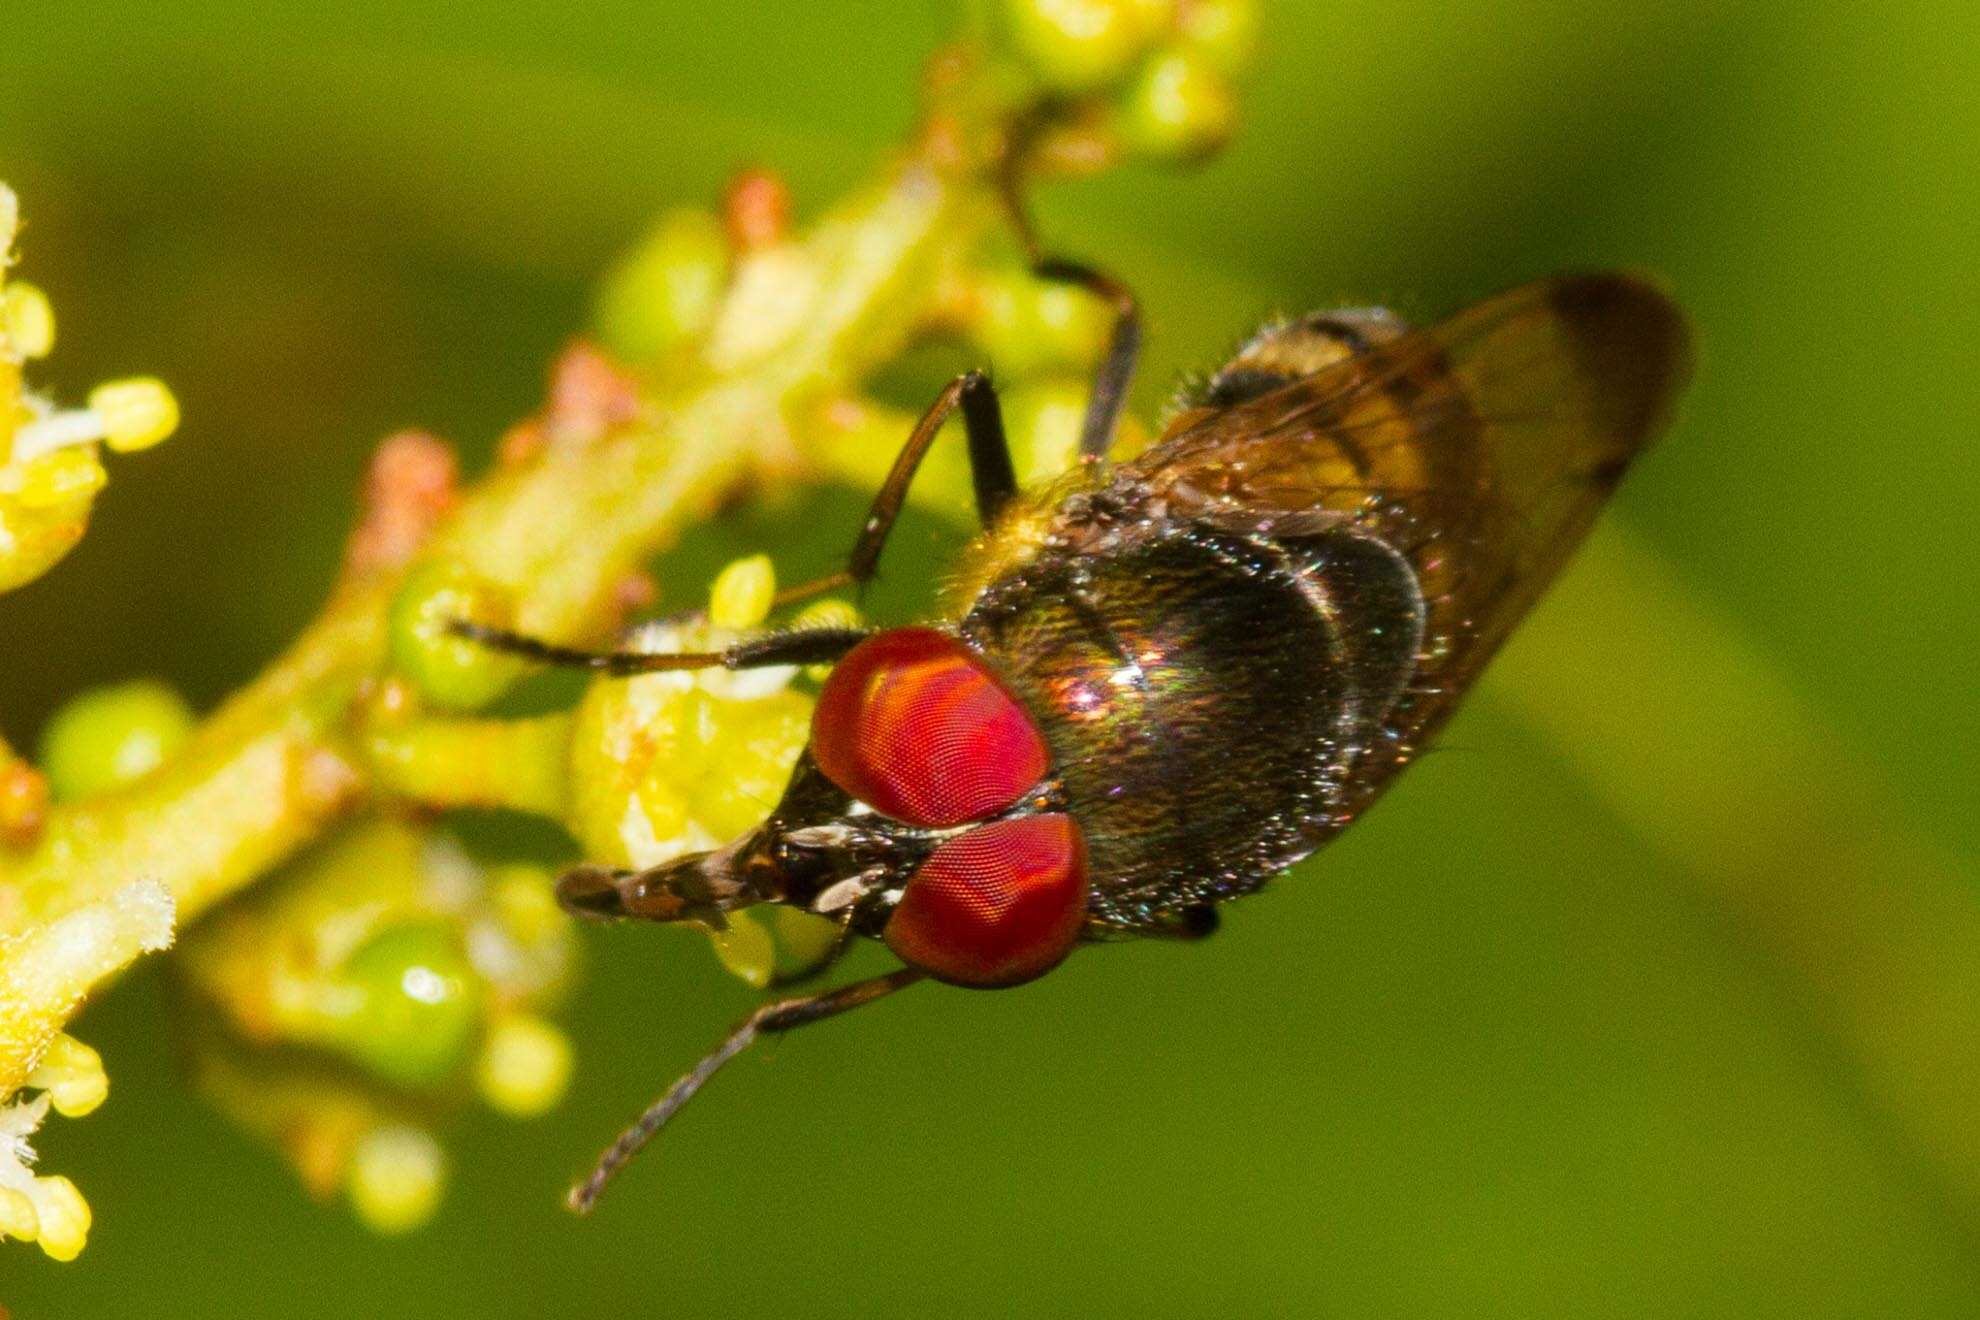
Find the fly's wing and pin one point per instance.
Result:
(1481, 448)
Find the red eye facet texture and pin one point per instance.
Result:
(995, 906)
(912, 724)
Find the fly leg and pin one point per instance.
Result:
(1116, 370)
(804, 646)
(991, 473)
(995, 482)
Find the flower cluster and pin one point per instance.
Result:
(1161, 69)
(641, 770)
(642, 793)
(387, 970)
(50, 471)
(51, 465)
(46, 970)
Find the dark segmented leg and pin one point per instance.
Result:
(806, 646)
(989, 467)
(784, 1015)
(995, 482)
(679, 890)
(991, 474)
(990, 470)
(1116, 369)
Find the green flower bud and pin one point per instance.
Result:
(667, 289)
(1179, 109)
(1079, 46)
(406, 1004)
(804, 939)
(450, 671)
(105, 739)
(1026, 325)
(746, 949)
(1223, 32)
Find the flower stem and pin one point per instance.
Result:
(277, 763)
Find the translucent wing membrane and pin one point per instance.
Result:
(1481, 447)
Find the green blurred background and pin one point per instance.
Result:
(1572, 1025)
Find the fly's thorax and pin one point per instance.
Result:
(1207, 696)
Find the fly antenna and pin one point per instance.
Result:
(771, 1019)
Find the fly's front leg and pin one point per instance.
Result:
(991, 473)
(806, 646)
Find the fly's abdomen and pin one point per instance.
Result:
(1203, 696)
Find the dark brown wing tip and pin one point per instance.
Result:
(1630, 336)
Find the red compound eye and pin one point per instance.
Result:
(996, 905)
(913, 725)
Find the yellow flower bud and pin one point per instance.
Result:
(17, 1217)
(28, 320)
(746, 949)
(72, 1074)
(524, 1067)
(828, 613)
(59, 476)
(63, 1215)
(742, 593)
(136, 413)
(395, 1179)
(1179, 110)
